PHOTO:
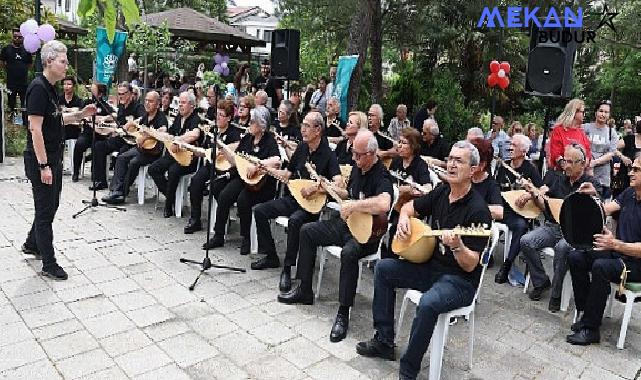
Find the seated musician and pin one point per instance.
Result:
(228, 135)
(483, 183)
(449, 280)
(518, 225)
(370, 190)
(611, 256)
(410, 165)
(127, 106)
(68, 100)
(185, 128)
(287, 127)
(98, 98)
(434, 145)
(357, 120)
(386, 148)
(129, 162)
(556, 185)
(335, 126)
(262, 145)
(245, 105)
(315, 150)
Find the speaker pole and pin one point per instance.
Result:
(546, 128)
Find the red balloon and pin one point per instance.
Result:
(505, 66)
(494, 66)
(504, 82)
(492, 80)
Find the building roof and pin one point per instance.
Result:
(237, 11)
(189, 24)
(69, 28)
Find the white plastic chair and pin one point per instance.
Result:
(439, 337)
(181, 194)
(507, 235)
(140, 183)
(71, 146)
(632, 291)
(566, 290)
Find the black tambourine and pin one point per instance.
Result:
(582, 216)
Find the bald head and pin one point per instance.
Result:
(152, 102)
(365, 141)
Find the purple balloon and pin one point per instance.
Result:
(46, 32)
(225, 58)
(31, 43)
(29, 27)
(218, 69)
(223, 65)
(218, 58)
(226, 71)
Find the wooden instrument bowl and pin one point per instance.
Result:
(149, 144)
(418, 248)
(183, 157)
(555, 207)
(243, 165)
(529, 211)
(313, 204)
(222, 164)
(360, 225)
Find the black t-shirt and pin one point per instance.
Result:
(259, 82)
(332, 130)
(239, 124)
(629, 219)
(159, 120)
(383, 142)
(489, 190)
(229, 136)
(211, 113)
(471, 209)
(270, 88)
(507, 180)
(376, 181)
(74, 102)
(417, 170)
(559, 187)
(291, 132)
(191, 123)
(344, 153)
(439, 149)
(322, 158)
(17, 61)
(420, 117)
(266, 148)
(42, 100)
(134, 109)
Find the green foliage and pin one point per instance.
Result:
(16, 139)
(453, 117)
(212, 8)
(108, 11)
(211, 77)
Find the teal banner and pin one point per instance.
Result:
(346, 64)
(107, 55)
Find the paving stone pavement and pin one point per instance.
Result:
(126, 312)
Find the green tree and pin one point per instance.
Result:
(108, 12)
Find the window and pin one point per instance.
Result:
(67, 5)
(257, 33)
(268, 36)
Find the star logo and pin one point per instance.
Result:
(607, 17)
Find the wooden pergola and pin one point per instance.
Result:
(70, 31)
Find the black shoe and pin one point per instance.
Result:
(285, 283)
(295, 296)
(577, 326)
(584, 337)
(502, 274)
(555, 304)
(374, 349)
(490, 262)
(193, 226)
(114, 199)
(56, 272)
(169, 212)
(74, 178)
(266, 262)
(30, 251)
(622, 298)
(537, 292)
(98, 186)
(215, 242)
(245, 247)
(339, 329)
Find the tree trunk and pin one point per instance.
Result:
(357, 45)
(376, 50)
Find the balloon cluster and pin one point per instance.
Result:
(33, 34)
(498, 74)
(221, 62)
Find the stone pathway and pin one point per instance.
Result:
(126, 312)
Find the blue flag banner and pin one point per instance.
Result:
(346, 64)
(107, 55)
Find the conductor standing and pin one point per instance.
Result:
(43, 153)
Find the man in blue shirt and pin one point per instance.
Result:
(500, 139)
(611, 256)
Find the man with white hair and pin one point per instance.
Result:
(369, 190)
(43, 153)
(474, 133)
(449, 280)
(433, 145)
(185, 128)
(386, 148)
(399, 122)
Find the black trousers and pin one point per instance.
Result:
(103, 148)
(46, 199)
(286, 206)
(591, 294)
(386, 251)
(326, 233)
(197, 188)
(20, 91)
(126, 169)
(168, 185)
(236, 191)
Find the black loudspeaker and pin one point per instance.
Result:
(286, 53)
(549, 67)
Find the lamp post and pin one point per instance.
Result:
(38, 63)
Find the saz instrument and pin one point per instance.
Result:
(182, 156)
(419, 246)
(527, 211)
(244, 162)
(406, 197)
(149, 144)
(363, 226)
(108, 129)
(222, 164)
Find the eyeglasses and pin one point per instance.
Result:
(456, 161)
(572, 162)
(358, 155)
(244, 106)
(403, 142)
(635, 169)
(307, 125)
(122, 93)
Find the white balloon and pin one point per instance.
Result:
(501, 73)
(31, 26)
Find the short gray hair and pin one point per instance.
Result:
(334, 99)
(50, 50)
(191, 98)
(317, 118)
(475, 132)
(378, 109)
(523, 141)
(401, 107)
(475, 157)
(372, 144)
(289, 107)
(433, 128)
(261, 116)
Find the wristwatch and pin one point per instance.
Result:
(44, 166)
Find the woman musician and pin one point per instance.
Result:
(335, 126)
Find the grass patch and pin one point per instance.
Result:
(16, 139)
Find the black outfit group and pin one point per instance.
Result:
(17, 61)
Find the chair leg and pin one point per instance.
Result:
(626, 318)
(506, 245)
(253, 236)
(471, 342)
(178, 203)
(437, 347)
(321, 267)
(609, 312)
(140, 182)
(360, 274)
(527, 283)
(566, 292)
(401, 314)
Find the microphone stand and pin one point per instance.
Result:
(206, 263)
(93, 202)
